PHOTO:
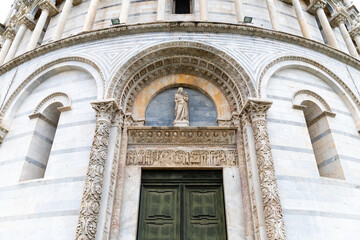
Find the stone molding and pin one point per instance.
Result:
(54, 95)
(210, 136)
(182, 27)
(315, 5)
(91, 199)
(182, 157)
(46, 4)
(24, 83)
(255, 110)
(311, 93)
(42, 117)
(3, 132)
(313, 63)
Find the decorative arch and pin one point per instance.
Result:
(147, 94)
(302, 95)
(308, 65)
(50, 69)
(181, 57)
(60, 97)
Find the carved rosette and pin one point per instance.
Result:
(90, 204)
(270, 193)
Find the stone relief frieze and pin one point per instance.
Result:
(225, 136)
(155, 157)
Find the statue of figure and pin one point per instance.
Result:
(181, 109)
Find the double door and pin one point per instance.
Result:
(182, 205)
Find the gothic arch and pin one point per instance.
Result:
(180, 57)
(49, 69)
(308, 65)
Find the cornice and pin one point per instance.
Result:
(200, 27)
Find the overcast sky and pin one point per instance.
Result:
(6, 4)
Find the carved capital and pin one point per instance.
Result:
(245, 119)
(105, 109)
(9, 33)
(315, 5)
(3, 132)
(355, 31)
(48, 5)
(27, 21)
(338, 19)
(256, 109)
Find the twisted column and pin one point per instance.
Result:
(301, 19)
(90, 204)
(60, 26)
(90, 16)
(47, 9)
(317, 6)
(25, 23)
(275, 229)
(9, 35)
(273, 15)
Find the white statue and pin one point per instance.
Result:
(181, 109)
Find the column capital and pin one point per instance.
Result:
(338, 19)
(105, 109)
(9, 33)
(256, 109)
(355, 31)
(27, 21)
(48, 5)
(315, 5)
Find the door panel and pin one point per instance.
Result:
(159, 214)
(204, 213)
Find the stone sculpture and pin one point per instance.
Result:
(181, 109)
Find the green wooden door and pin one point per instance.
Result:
(182, 205)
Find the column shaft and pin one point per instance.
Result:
(301, 19)
(273, 15)
(161, 10)
(204, 13)
(38, 30)
(349, 43)
(239, 11)
(90, 16)
(5, 49)
(124, 13)
(15, 45)
(62, 20)
(327, 28)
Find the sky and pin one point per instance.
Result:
(6, 4)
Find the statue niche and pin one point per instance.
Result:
(181, 109)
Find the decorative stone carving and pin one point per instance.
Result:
(171, 136)
(355, 31)
(9, 33)
(338, 19)
(66, 105)
(27, 21)
(275, 228)
(47, 4)
(181, 109)
(155, 157)
(3, 133)
(90, 204)
(316, 4)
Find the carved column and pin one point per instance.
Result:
(25, 23)
(317, 6)
(90, 204)
(354, 33)
(273, 15)
(62, 20)
(47, 9)
(239, 10)
(124, 12)
(339, 21)
(90, 16)
(9, 35)
(301, 19)
(272, 210)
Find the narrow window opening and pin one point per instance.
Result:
(182, 6)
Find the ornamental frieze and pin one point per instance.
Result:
(192, 136)
(155, 157)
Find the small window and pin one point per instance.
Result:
(182, 6)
